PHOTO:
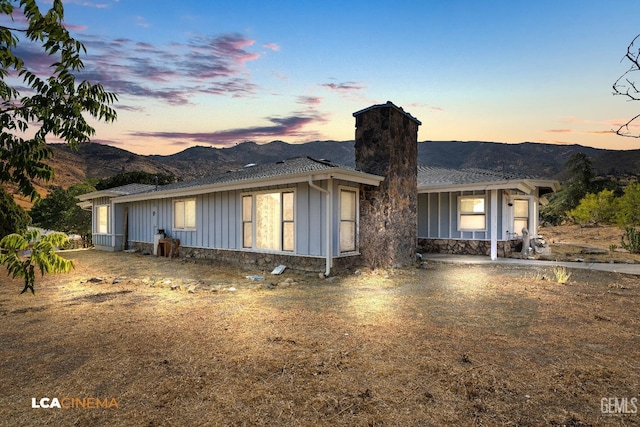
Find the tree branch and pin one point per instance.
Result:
(624, 129)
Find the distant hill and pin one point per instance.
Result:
(544, 160)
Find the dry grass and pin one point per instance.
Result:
(448, 345)
(588, 244)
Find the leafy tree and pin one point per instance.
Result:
(53, 105)
(597, 208)
(581, 178)
(627, 87)
(136, 177)
(13, 219)
(59, 211)
(628, 214)
(42, 256)
(581, 181)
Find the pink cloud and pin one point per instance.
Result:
(344, 87)
(72, 27)
(559, 131)
(281, 127)
(309, 100)
(273, 46)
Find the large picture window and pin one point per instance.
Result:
(268, 221)
(472, 215)
(102, 219)
(348, 220)
(184, 214)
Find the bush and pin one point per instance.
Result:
(629, 206)
(631, 240)
(596, 208)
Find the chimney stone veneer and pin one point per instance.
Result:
(387, 145)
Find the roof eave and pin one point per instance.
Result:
(98, 194)
(527, 186)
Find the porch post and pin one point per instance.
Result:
(494, 225)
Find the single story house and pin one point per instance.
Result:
(318, 215)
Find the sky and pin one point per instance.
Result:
(218, 73)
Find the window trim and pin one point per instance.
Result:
(356, 221)
(281, 221)
(186, 223)
(471, 214)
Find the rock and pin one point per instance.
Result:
(594, 251)
(176, 287)
(192, 289)
(96, 280)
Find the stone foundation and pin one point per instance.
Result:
(259, 261)
(465, 247)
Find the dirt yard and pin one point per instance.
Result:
(445, 345)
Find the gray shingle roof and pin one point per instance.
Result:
(428, 175)
(296, 165)
(132, 188)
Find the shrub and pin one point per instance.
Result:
(631, 240)
(561, 274)
(596, 208)
(629, 206)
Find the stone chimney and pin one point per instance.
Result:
(387, 145)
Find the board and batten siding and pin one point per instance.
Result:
(219, 219)
(438, 216)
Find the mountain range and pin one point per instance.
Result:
(542, 160)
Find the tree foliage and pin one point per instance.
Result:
(49, 106)
(600, 208)
(580, 182)
(628, 214)
(42, 256)
(13, 219)
(59, 211)
(627, 87)
(136, 177)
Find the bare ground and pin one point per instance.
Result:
(445, 345)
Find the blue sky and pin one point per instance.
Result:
(219, 73)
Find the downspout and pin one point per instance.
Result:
(329, 221)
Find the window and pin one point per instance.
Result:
(247, 224)
(184, 214)
(268, 221)
(348, 220)
(520, 215)
(102, 219)
(288, 229)
(471, 213)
